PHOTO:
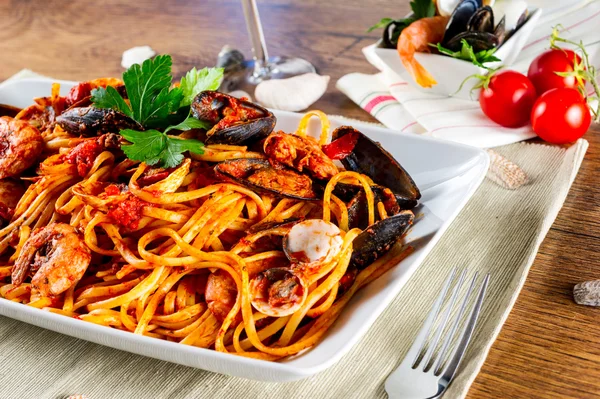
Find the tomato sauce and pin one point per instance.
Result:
(128, 213)
(84, 155)
(113, 189)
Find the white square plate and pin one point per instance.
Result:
(448, 175)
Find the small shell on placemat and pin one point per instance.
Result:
(505, 173)
(77, 397)
(136, 55)
(587, 293)
(292, 94)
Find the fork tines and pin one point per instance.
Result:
(422, 357)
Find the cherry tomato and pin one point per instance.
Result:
(561, 116)
(508, 99)
(542, 71)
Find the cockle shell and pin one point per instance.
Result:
(587, 293)
(505, 173)
(292, 94)
(136, 55)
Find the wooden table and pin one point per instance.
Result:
(549, 346)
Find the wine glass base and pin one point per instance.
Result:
(277, 68)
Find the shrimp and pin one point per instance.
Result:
(416, 38)
(11, 192)
(20, 146)
(55, 256)
(221, 294)
(300, 153)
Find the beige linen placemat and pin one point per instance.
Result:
(499, 231)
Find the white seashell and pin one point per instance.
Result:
(587, 293)
(136, 55)
(505, 173)
(514, 10)
(292, 94)
(446, 7)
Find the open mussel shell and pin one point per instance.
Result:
(500, 31)
(379, 238)
(9, 110)
(460, 18)
(259, 174)
(255, 122)
(478, 40)
(482, 20)
(370, 159)
(278, 292)
(92, 121)
(347, 191)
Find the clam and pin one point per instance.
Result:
(312, 242)
(278, 292)
(259, 174)
(235, 121)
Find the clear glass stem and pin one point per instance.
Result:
(257, 38)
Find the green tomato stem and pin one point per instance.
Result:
(591, 72)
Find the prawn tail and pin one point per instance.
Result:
(419, 73)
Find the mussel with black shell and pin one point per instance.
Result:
(482, 26)
(265, 176)
(235, 121)
(394, 188)
(91, 121)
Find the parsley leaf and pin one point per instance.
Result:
(196, 81)
(190, 123)
(146, 146)
(148, 89)
(468, 54)
(172, 154)
(381, 24)
(110, 98)
(152, 146)
(422, 8)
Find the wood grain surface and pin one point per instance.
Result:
(549, 346)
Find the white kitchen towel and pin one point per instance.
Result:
(399, 106)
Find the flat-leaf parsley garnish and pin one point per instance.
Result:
(159, 107)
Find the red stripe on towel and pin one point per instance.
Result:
(376, 101)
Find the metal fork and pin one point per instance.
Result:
(421, 377)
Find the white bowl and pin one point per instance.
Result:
(451, 72)
(447, 174)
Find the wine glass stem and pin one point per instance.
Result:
(257, 38)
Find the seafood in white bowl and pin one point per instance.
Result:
(501, 28)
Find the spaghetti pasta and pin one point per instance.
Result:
(188, 254)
